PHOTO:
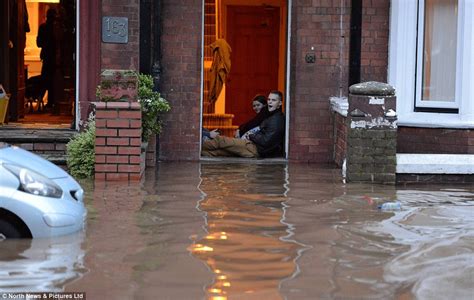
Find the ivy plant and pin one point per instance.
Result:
(152, 105)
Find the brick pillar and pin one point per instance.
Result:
(371, 133)
(118, 153)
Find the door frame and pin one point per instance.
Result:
(77, 117)
(283, 54)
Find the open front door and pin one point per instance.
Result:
(256, 31)
(39, 95)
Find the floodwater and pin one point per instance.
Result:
(255, 231)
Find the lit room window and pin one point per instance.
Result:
(436, 57)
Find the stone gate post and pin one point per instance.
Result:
(118, 151)
(372, 133)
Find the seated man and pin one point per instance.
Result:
(209, 134)
(267, 142)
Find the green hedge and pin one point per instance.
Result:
(81, 153)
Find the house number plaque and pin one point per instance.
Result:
(115, 30)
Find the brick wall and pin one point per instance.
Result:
(435, 140)
(54, 151)
(181, 79)
(374, 44)
(317, 24)
(340, 139)
(122, 56)
(118, 141)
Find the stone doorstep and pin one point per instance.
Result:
(18, 136)
(242, 160)
(408, 163)
(43, 136)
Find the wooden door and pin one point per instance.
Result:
(18, 27)
(4, 49)
(253, 35)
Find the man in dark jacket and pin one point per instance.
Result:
(267, 142)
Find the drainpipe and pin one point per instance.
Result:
(156, 43)
(355, 42)
(156, 20)
(145, 36)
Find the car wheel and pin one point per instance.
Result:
(9, 231)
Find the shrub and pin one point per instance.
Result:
(153, 106)
(81, 152)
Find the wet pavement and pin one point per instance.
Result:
(255, 231)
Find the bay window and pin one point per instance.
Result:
(431, 62)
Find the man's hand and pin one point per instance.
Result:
(214, 133)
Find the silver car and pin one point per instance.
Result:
(37, 198)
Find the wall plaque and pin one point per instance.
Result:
(115, 30)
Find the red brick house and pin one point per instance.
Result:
(311, 50)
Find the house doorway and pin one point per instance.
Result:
(38, 70)
(256, 32)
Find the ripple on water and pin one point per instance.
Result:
(439, 229)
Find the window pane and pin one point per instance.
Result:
(439, 55)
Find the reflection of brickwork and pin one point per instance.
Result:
(435, 140)
(118, 141)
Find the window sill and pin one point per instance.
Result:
(339, 105)
(436, 120)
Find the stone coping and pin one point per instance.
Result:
(242, 160)
(117, 105)
(408, 163)
(372, 88)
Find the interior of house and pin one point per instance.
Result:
(256, 32)
(38, 71)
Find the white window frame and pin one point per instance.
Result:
(420, 102)
(402, 67)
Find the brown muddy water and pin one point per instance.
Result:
(255, 231)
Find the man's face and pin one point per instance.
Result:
(273, 102)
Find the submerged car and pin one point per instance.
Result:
(37, 198)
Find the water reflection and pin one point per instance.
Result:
(245, 245)
(194, 231)
(41, 264)
(137, 236)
